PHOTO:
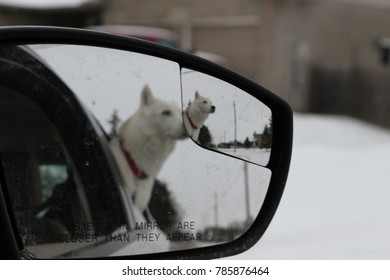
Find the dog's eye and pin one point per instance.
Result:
(205, 102)
(166, 113)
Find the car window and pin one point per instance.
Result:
(46, 196)
(55, 210)
(50, 176)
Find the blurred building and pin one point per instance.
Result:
(320, 55)
(230, 28)
(74, 13)
(326, 56)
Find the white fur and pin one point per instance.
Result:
(149, 135)
(197, 111)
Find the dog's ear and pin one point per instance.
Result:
(197, 95)
(146, 96)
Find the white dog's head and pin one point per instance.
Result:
(203, 104)
(161, 116)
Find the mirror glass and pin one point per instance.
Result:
(224, 118)
(174, 192)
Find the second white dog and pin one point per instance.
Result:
(144, 143)
(196, 114)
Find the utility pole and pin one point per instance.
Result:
(216, 209)
(235, 125)
(247, 202)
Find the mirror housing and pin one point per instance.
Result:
(277, 163)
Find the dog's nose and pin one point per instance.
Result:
(212, 109)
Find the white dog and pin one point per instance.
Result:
(196, 114)
(144, 143)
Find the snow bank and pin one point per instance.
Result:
(336, 203)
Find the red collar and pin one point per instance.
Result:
(191, 122)
(133, 166)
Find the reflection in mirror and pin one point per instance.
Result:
(174, 194)
(224, 118)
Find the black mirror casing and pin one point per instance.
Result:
(278, 163)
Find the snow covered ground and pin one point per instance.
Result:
(337, 200)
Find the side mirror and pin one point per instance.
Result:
(119, 147)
